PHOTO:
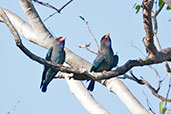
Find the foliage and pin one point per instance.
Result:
(162, 108)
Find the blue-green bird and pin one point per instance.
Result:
(55, 54)
(105, 60)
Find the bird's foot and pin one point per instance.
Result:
(104, 71)
(53, 63)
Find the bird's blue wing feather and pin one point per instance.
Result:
(97, 61)
(116, 60)
(58, 57)
(48, 57)
(49, 54)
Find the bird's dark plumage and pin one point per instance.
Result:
(105, 60)
(55, 54)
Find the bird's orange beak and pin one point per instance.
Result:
(107, 36)
(62, 39)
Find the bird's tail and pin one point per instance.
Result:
(44, 87)
(91, 85)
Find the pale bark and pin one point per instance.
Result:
(168, 2)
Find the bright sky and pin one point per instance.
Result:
(21, 77)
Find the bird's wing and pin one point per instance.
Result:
(99, 59)
(48, 57)
(115, 61)
(60, 57)
(49, 54)
(49, 74)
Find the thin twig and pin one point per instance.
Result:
(167, 95)
(64, 6)
(86, 23)
(51, 15)
(158, 11)
(159, 80)
(149, 104)
(47, 5)
(154, 16)
(52, 7)
(144, 82)
(86, 47)
(14, 108)
(134, 46)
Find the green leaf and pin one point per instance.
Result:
(164, 110)
(137, 8)
(168, 8)
(160, 3)
(161, 105)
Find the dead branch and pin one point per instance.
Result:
(86, 46)
(86, 23)
(148, 39)
(149, 66)
(76, 88)
(154, 16)
(167, 95)
(150, 108)
(52, 7)
(85, 75)
(144, 82)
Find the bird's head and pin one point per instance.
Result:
(61, 41)
(106, 41)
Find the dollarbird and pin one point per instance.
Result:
(105, 60)
(55, 54)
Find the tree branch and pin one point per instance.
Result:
(62, 68)
(144, 82)
(87, 66)
(155, 36)
(86, 23)
(148, 40)
(86, 47)
(114, 85)
(52, 7)
(83, 96)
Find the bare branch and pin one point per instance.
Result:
(159, 81)
(14, 108)
(158, 11)
(156, 38)
(82, 74)
(144, 82)
(167, 95)
(114, 85)
(149, 105)
(86, 47)
(148, 40)
(51, 6)
(86, 23)
(65, 5)
(83, 96)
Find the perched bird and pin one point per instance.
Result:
(55, 54)
(105, 60)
